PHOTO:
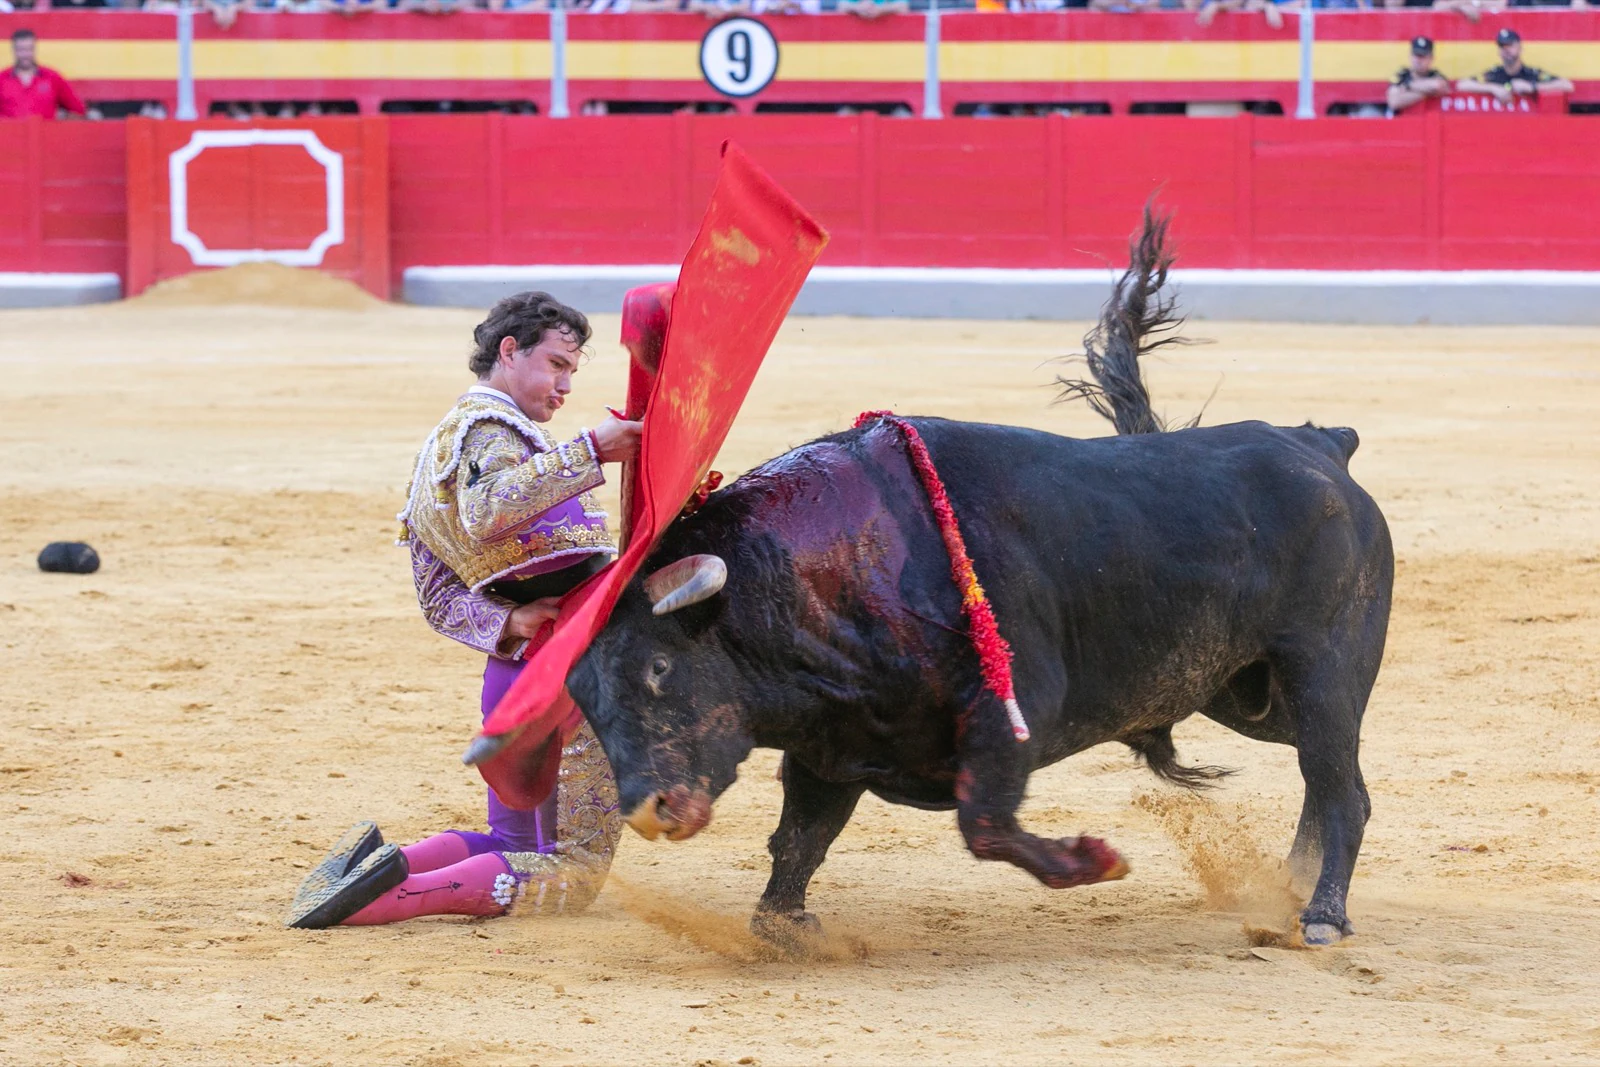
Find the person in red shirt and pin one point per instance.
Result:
(29, 89)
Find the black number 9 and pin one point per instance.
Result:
(740, 53)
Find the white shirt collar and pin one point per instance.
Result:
(491, 391)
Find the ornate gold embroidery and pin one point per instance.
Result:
(587, 812)
(511, 484)
(570, 537)
(517, 474)
(587, 826)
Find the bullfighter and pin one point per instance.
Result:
(500, 521)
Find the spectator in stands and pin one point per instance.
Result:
(614, 7)
(1272, 9)
(1123, 7)
(871, 9)
(1472, 10)
(715, 9)
(1513, 78)
(224, 12)
(1418, 80)
(27, 89)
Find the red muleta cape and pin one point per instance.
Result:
(754, 249)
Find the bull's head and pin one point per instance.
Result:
(666, 699)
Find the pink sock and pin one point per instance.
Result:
(440, 850)
(465, 888)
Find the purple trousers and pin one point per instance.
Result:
(516, 831)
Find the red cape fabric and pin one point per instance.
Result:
(754, 249)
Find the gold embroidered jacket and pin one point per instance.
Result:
(492, 493)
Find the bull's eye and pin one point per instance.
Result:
(659, 667)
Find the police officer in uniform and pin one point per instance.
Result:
(1417, 80)
(1513, 78)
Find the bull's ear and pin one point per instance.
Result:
(688, 581)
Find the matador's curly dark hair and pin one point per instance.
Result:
(526, 317)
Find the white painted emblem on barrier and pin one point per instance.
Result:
(178, 179)
(738, 57)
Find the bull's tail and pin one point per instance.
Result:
(1156, 749)
(1138, 319)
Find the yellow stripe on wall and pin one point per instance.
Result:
(1203, 61)
(855, 61)
(112, 60)
(895, 61)
(635, 60)
(435, 60)
(1378, 61)
(1096, 61)
(848, 61)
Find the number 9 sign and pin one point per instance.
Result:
(738, 57)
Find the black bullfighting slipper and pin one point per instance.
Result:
(374, 876)
(358, 842)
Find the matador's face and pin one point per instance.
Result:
(538, 378)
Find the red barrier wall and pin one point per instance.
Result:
(1436, 191)
(1429, 192)
(62, 205)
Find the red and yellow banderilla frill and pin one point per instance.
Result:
(994, 653)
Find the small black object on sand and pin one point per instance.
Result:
(69, 557)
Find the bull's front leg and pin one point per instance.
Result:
(990, 783)
(814, 811)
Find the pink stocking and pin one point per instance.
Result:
(440, 850)
(465, 888)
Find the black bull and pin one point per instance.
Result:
(1236, 571)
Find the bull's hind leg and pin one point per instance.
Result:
(814, 811)
(990, 783)
(1327, 704)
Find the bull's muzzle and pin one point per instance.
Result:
(679, 814)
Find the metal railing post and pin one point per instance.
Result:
(1306, 108)
(186, 108)
(930, 76)
(558, 61)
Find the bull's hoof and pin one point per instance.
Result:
(1321, 934)
(797, 934)
(1075, 861)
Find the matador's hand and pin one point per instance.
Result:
(617, 439)
(526, 620)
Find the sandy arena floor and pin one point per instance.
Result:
(183, 733)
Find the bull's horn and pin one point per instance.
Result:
(688, 581)
(486, 747)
